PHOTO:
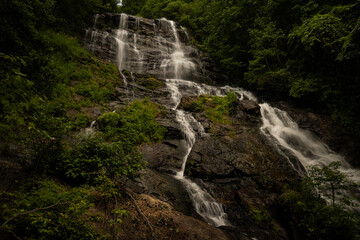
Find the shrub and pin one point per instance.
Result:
(93, 158)
(133, 124)
(216, 108)
(45, 210)
(150, 82)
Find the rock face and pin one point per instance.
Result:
(163, 222)
(145, 46)
(250, 106)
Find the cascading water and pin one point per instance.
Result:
(181, 64)
(278, 126)
(175, 64)
(122, 42)
(204, 204)
(169, 60)
(131, 47)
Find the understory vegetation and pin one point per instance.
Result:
(51, 88)
(215, 108)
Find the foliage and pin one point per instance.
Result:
(215, 108)
(76, 15)
(91, 160)
(112, 152)
(150, 82)
(46, 211)
(133, 124)
(38, 107)
(328, 180)
(308, 213)
(49, 84)
(260, 215)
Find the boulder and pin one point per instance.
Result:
(250, 107)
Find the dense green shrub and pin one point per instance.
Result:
(89, 160)
(150, 82)
(215, 108)
(45, 210)
(133, 124)
(112, 152)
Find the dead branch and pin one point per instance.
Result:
(142, 214)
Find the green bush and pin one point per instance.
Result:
(133, 124)
(95, 91)
(45, 210)
(93, 158)
(260, 215)
(80, 120)
(150, 82)
(215, 108)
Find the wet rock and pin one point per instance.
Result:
(249, 106)
(147, 43)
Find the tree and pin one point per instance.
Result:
(329, 181)
(309, 214)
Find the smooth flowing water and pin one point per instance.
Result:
(212, 211)
(279, 127)
(122, 41)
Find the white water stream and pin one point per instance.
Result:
(212, 211)
(278, 126)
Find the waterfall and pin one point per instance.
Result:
(92, 124)
(278, 126)
(165, 55)
(175, 64)
(131, 48)
(212, 211)
(180, 64)
(95, 20)
(122, 41)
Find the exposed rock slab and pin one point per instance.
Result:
(147, 43)
(165, 221)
